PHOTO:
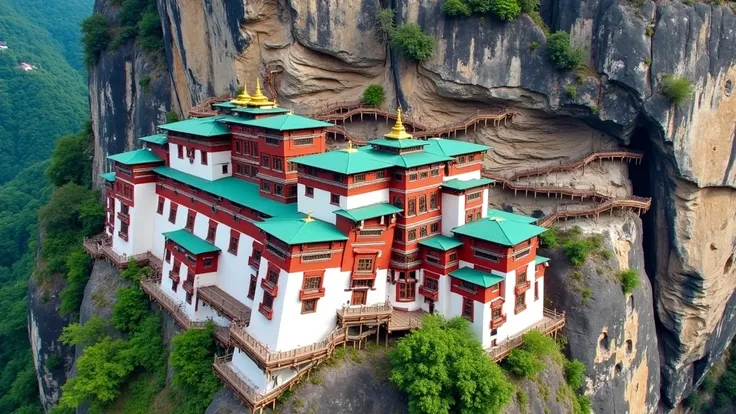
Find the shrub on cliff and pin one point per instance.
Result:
(506, 9)
(677, 88)
(443, 368)
(523, 363)
(191, 359)
(96, 37)
(528, 6)
(629, 280)
(385, 26)
(373, 95)
(574, 374)
(413, 42)
(560, 52)
(456, 8)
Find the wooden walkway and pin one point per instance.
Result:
(552, 323)
(100, 247)
(153, 289)
(204, 108)
(405, 320)
(221, 301)
(570, 165)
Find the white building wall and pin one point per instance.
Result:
(463, 176)
(262, 382)
(533, 313)
(416, 304)
(453, 212)
(211, 171)
(264, 330)
(119, 245)
(379, 293)
(162, 225)
(484, 207)
(366, 199)
(321, 207)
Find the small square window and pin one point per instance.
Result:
(309, 306)
(224, 169)
(309, 191)
(335, 199)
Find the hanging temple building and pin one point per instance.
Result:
(290, 250)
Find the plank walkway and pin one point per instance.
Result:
(221, 301)
(204, 108)
(570, 165)
(550, 325)
(405, 320)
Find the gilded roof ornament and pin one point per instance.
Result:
(398, 131)
(309, 218)
(258, 98)
(243, 98)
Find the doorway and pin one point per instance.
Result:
(358, 297)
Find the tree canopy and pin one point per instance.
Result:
(413, 42)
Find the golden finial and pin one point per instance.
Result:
(350, 147)
(243, 98)
(309, 218)
(290, 112)
(258, 98)
(398, 131)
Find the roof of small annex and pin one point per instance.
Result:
(476, 277)
(499, 230)
(409, 160)
(492, 212)
(234, 189)
(286, 122)
(158, 139)
(110, 176)
(366, 212)
(301, 229)
(257, 111)
(466, 184)
(192, 243)
(202, 127)
(441, 242)
(398, 143)
(344, 161)
(226, 104)
(540, 260)
(141, 156)
(452, 147)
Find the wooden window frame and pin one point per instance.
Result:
(309, 191)
(252, 287)
(312, 302)
(203, 154)
(434, 201)
(234, 243)
(191, 215)
(370, 260)
(160, 206)
(167, 256)
(468, 304)
(212, 227)
(332, 199)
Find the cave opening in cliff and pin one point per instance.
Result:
(642, 182)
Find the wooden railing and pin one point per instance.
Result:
(570, 165)
(552, 323)
(152, 288)
(225, 304)
(362, 110)
(639, 204)
(204, 108)
(364, 313)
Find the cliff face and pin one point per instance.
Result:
(316, 54)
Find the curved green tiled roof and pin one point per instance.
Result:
(540, 259)
(141, 156)
(476, 277)
(287, 122)
(441, 242)
(466, 184)
(260, 111)
(192, 243)
(343, 161)
(492, 212)
(108, 176)
(372, 211)
(398, 143)
(409, 160)
(158, 139)
(203, 127)
(500, 231)
(452, 147)
(297, 229)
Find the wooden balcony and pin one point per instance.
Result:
(269, 287)
(267, 312)
(94, 245)
(522, 287)
(233, 309)
(429, 294)
(405, 320)
(311, 294)
(355, 315)
(551, 323)
(269, 360)
(188, 286)
(496, 323)
(152, 288)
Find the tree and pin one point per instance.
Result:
(677, 88)
(413, 42)
(506, 9)
(79, 266)
(456, 8)
(191, 359)
(528, 6)
(92, 332)
(385, 26)
(71, 161)
(480, 6)
(575, 374)
(523, 363)
(373, 95)
(130, 309)
(560, 52)
(443, 369)
(96, 37)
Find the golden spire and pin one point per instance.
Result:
(258, 98)
(398, 131)
(243, 98)
(350, 147)
(309, 218)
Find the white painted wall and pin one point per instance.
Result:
(366, 199)
(140, 237)
(418, 301)
(484, 207)
(379, 293)
(453, 212)
(321, 208)
(463, 176)
(533, 313)
(261, 382)
(211, 171)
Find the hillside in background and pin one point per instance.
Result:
(38, 105)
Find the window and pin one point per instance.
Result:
(461, 159)
(435, 172)
(412, 234)
(312, 283)
(406, 291)
(233, 247)
(422, 203)
(521, 278)
(412, 210)
(424, 174)
(224, 169)
(313, 257)
(272, 141)
(180, 151)
(338, 177)
(278, 164)
(433, 201)
(208, 262)
(256, 256)
(204, 157)
(190, 153)
(477, 215)
(124, 210)
(273, 277)
(177, 267)
(520, 305)
(432, 259)
(254, 146)
(365, 265)
(434, 228)
(160, 208)
(413, 177)
(124, 230)
(241, 169)
(361, 283)
(423, 231)
(309, 306)
(267, 301)
(212, 232)
(252, 287)
(399, 235)
(467, 286)
(278, 189)
(309, 191)
(190, 220)
(359, 178)
(398, 177)
(398, 202)
(496, 314)
(335, 199)
(174, 285)
(486, 255)
(453, 257)
(474, 196)
(253, 170)
(303, 141)
(469, 218)
(468, 309)
(471, 157)
(431, 284)
(168, 256)
(380, 174)
(238, 148)
(536, 290)
(265, 161)
(292, 191)
(172, 213)
(290, 166)
(267, 186)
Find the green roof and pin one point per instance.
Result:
(108, 176)
(476, 277)
(158, 139)
(453, 148)
(466, 184)
(226, 104)
(441, 242)
(540, 259)
(500, 231)
(259, 111)
(410, 160)
(296, 229)
(192, 243)
(362, 213)
(203, 127)
(288, 122)
(141, 156)
(492, 212)
(233, 189)
(398, 143)
(343, 161)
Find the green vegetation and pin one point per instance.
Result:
(413, 42)
(677, 88)
(648, 61)
(575, 374)
(506, 9)
(373, 95)
(443, 369)
(385, 24)
(191, 359)
(456, 8)
(537, 19)
(629, 280)
(171, 116)
(572, 91)
(533, 45)
(650, 30)
(596, 110)
(523, 363)
(97, 37)
(528, 6)
(576, 246)
(145, 83)
(560, 52)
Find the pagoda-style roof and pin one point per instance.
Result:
(110, 176)
(499, 230)
(541, 260)
(441, 242)
(261, 111)
(398, 143)
(453, 148)
(492, 212)
(301, 229)
(141, 156)
(286, 122)
(158, 139)
(344, 161)
(192, 243)
(367, 212)
(462, 185)
(258, 98)
(226, 105)
(242, 99)
(398, 132)
(230, 188)
(202, 127)
(408, 160)
(476, 277)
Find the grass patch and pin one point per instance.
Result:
(677, 88)
(572, 91)
(629, 280)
